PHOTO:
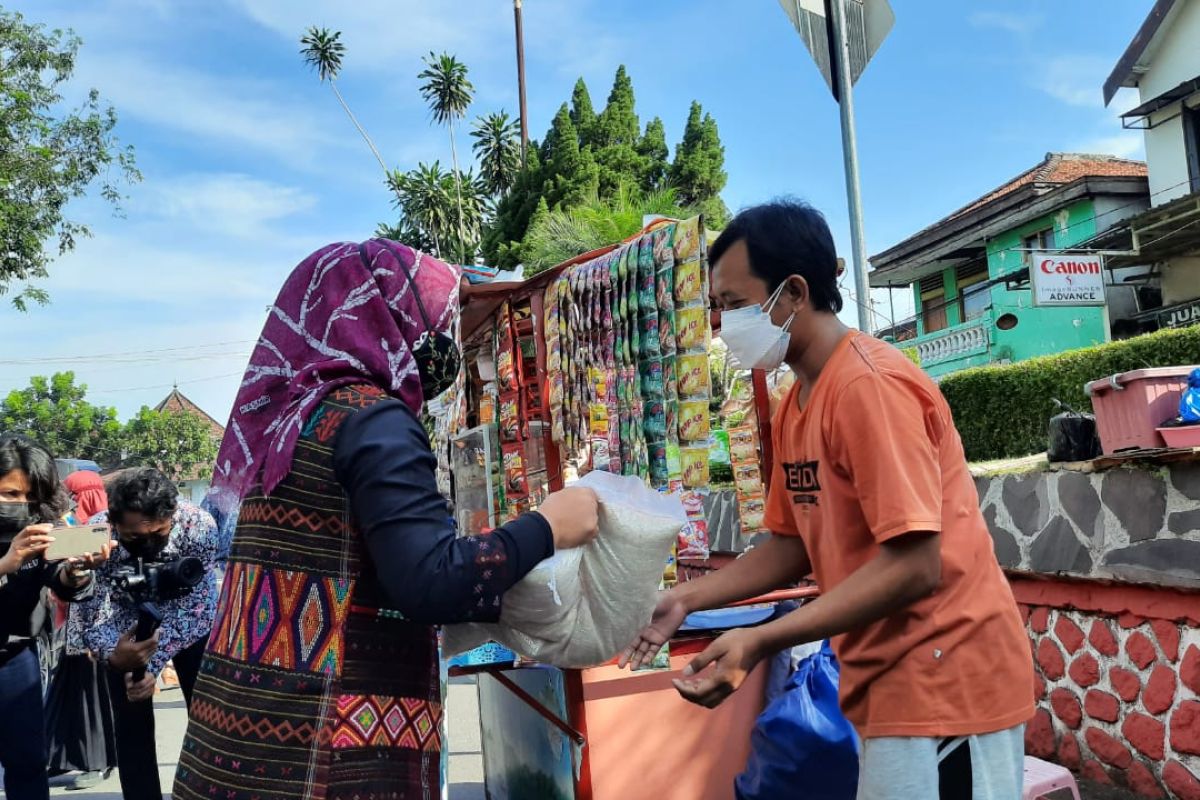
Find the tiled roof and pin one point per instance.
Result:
(1057, 169)
(177, 402)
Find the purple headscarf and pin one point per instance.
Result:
(345, 315)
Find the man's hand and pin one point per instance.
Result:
(141, 690)
(669, 615)
(129, 655)
(26, 546)
(732, 657)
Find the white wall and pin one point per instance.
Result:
(1176, 59)
(1181, 280)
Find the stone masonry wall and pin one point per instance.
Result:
(1118, 699)
(1133, 524)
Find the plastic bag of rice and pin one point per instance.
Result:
(583, 606)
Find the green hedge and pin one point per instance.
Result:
(1003, 412)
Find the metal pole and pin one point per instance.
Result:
(891, 309)
(841, 64)
(521, 79)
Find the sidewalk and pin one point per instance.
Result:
(462, 722)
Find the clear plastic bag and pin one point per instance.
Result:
(582, 606)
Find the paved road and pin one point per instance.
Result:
(462, 710)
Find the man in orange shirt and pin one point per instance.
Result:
(870, 493)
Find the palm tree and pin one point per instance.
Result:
(448, 91)
(323, 50)
(498, 148)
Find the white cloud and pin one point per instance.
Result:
(210, 108)
(225, 203)
(1018, 24)
(1074, 79)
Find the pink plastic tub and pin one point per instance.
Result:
(1130, 406)
(1185, 436)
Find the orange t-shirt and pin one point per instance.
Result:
(874, 455)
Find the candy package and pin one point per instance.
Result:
(691, 325)
(694, 461)
(694, 379)
(652, 378)
(649, 340)
(598, 419)
(693, 421)
(659, 471)
(654, 419)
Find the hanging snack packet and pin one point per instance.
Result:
(516, 485)
(659, 472)
(694, 380)
(750, 512)
(748, 478)
(652, 378)
(689, 281)
(743, 445)
(687, 240)
(693, 421)
(692, 327)
(654, 420)
(510, 418)
(695, 466)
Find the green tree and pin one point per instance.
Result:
(653, 150)
(698, 172)
(583, 115)
(571, 173)
(502, 239)
(180, 445)
(616, 138)
(448, 91)
(323, 50)
(426, 200)
(54, 411)
(48, 155)
(498, 149)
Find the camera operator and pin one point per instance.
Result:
(165, 558)
(32, 502)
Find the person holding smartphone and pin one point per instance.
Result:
(32, 500)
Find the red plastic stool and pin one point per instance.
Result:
(1042, 777)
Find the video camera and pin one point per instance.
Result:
(148, 583)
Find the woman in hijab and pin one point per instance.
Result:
(80, 732)
(321, 677)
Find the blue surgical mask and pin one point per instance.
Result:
(754, 341)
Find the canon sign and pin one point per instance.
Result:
(1067, 280)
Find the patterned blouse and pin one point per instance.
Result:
(96, 624)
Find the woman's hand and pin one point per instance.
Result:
(26, 546)
(78, 570)
(573, 515)
(141, 690)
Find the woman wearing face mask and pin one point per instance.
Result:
(31, 501)
(151, 523)
(321, 676)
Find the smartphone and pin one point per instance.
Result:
(76, 541)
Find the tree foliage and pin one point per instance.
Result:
(181, 445)
(597, 160)
(48, 155)
(497, 149)
(426, 199)
(54, 411)
(448, 91)
(322, 49)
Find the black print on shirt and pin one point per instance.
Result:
(801, 478)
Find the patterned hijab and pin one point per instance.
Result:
(347, 314)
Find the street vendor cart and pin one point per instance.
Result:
(602, 363)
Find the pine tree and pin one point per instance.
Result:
(571, 174)
(698, 173)
(653, 150)
(582, 114)
(617, 135)
(513, 213)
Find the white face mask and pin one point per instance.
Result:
(754, 341)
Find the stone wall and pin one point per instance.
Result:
(1118, 693)
(1136, 524)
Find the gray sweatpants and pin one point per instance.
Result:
(913, 768)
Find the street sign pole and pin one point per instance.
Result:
(845, 96)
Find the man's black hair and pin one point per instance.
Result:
(786, 237)
(48, 500)
(143, 490)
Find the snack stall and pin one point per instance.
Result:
(602, 363)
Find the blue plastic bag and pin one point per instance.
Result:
(801, 745)
(1189, 402)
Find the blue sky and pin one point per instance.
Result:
(250, 164)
